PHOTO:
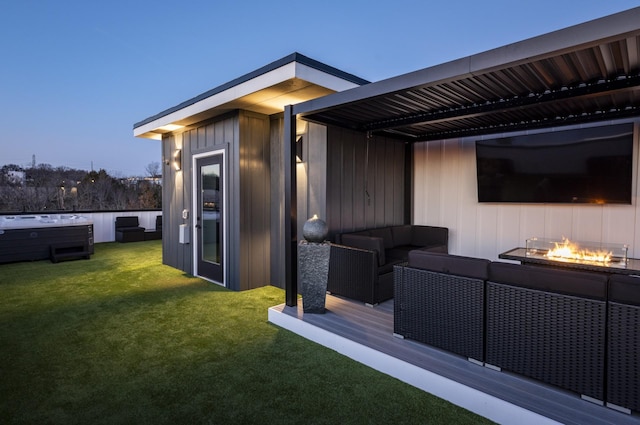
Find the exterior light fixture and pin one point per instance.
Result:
(177, 159)
(299, 149)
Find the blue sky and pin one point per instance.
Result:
(76, 75)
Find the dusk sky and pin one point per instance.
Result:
(76, 75)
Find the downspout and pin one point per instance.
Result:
(290, 209)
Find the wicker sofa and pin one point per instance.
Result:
(573, 329)
(553, 322)
(623, 342)
(439, 300)
(361, 263)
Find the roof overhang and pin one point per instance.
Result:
(291, 80)
(588, 72)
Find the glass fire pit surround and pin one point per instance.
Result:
(587, 253)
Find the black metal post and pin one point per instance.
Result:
(290, 208)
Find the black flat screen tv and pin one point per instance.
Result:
(583, 166)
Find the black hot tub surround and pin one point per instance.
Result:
(41, 237)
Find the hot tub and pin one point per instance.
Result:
(44, 236)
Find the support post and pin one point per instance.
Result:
(290, 208)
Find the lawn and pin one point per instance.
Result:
(123, 339)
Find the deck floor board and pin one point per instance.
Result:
(372, 327)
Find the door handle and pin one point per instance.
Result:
(198, 226)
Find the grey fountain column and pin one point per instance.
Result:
(313, 265)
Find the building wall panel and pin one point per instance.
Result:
(255, 200)
(445, 194)
(365, 187)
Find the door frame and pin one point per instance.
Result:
(225, 214)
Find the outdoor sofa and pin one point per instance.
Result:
(623, 342)
(439, 300)
(576, 330)
(361, 263)
(128, 229)
(156, 233)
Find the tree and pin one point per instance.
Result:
(153, 170)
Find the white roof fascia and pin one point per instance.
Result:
(266, 80)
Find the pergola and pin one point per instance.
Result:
(585, 73)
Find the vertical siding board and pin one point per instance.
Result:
(202, 138)
(420, 183)
(618, 224)
(210, 139)
(277, 202)
(446, 173)
(349, 180)
(335, 175)
(508, 230)
(378, 194)
(347, 188)
(359, 196)
(183, 179)
(399, 182)
(557, 221)
(317, 169)
(588, 224)
(254, 200)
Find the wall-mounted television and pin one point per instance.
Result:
(582, 166)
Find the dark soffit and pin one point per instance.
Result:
(589, 72)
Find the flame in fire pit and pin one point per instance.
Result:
(567, 250)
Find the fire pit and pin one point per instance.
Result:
(566, 251)
(580, 255)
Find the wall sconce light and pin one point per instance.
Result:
(299, 149)
(177, 159)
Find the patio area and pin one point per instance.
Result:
(365, 334)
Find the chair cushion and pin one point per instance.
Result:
(476, 268)
(624, 289)
(568, 282)
(127, 221)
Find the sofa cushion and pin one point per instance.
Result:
(475, 268)
(568, 282)
(624, 289)
(130, 229)
(127, 221)
(399, 252)
(385, 234)
(401, 235)
(366, 242)
(429, 236)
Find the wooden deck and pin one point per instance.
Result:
(366, 335)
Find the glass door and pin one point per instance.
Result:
(209, 218)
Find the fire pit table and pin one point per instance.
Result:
(608, 258)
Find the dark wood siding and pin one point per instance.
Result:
(277, 201)
(255, 200)
(178, 185)
(174, 200)
(365, 181)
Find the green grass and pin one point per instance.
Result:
(122, 339)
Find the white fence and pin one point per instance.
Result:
(104, 223)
